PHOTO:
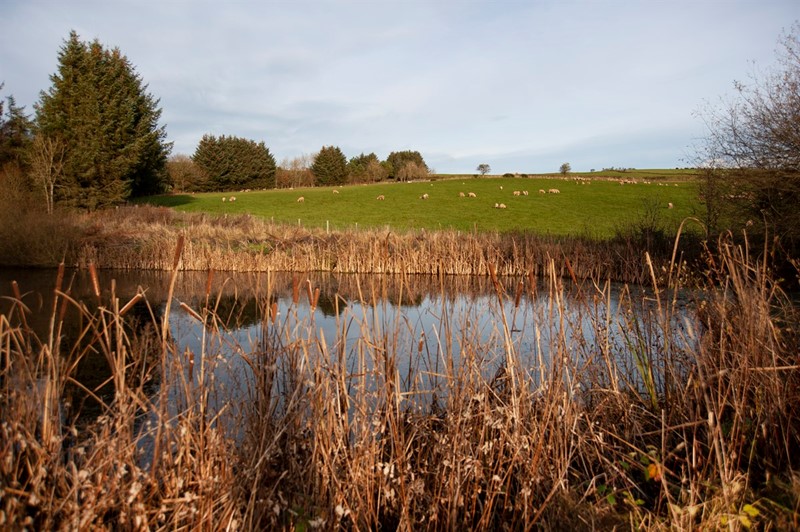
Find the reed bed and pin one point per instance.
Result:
(654, 419)
(142, 237)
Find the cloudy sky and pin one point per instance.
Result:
(521, 85)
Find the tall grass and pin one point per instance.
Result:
(637, 415)
(143, 237)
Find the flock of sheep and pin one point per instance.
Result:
(381, 197)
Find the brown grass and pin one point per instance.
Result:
(659, 422)
(142, 237)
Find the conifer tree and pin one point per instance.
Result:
(113, 145)
(15, 132)
(231, 163)
(330, 167)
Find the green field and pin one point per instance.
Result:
(595, 209)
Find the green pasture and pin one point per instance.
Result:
(595, 209)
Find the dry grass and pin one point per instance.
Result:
(143, 237)
(662, 421)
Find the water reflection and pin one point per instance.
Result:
(429, 325)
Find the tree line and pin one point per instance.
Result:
(95, 141)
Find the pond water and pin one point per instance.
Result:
(429, 325)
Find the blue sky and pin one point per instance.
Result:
(521, 85)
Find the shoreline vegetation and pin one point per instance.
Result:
(636, 431)
(141, 237)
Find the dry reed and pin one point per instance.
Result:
(658, 418)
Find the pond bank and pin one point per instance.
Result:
(145, 238)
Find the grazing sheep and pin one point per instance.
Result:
(669, 205)
(554, 191)
(424, 196)
(301, 199)
(224, 199)
(472, 195)
(517, 193)
(381, 198)
(232, 198)
(461, 194)
(541, 191)
(335, 191)
(499, 205)
(501, 187)
(524, 192)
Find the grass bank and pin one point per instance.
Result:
(636, 431)
(595, 206)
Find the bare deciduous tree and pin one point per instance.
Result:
(484, 168)
(751, 155)
(47, 164)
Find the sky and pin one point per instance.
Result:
(523, 86)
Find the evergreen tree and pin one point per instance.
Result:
(113, 145)
(233, 163)
(398, 159)
(15, 132)
(330, 167)
(365, 169)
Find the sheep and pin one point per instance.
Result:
(335, 191)
(554, 191)
(499, 205)
(501, 187)
(301, 199)
(524, 192)
(232, 198)
(472, 195)
(669, 205)
(461, 194)
(380, 198)
(424, 196)
(224, 199)
(541, 191)
(517, 193)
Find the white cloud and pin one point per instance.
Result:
(518, 85)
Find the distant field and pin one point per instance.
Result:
(595, 209)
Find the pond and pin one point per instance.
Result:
(417, 330)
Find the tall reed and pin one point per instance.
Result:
(644, 413)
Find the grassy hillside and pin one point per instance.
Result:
(595, 206)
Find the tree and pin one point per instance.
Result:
(398, 159)
(751, 155)
(365, 169)
(185, 175)
(295, 172)
(330, 167)
(113, 145)
(233, 163)
(565, 169)
(412, 170)
(15, 132)
(46, 166)
(484, 168)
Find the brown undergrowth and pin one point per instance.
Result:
(655, 418)
(142, 237)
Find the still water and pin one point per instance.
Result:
(429, 325)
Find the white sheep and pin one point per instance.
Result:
(335, 191)
(517, 193)
(524, 192)
(301, 199)
(541, 191)
(224, 199)
(461, 194)
(472, 195)
(381, 197)
(424, 196)
(554, 191)
(670, 205)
